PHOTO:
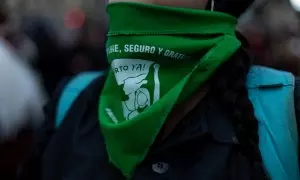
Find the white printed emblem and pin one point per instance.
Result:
(133, 75)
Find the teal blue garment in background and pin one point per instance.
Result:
(275, 111)
(72, 91)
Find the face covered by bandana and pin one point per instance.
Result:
(159, 56)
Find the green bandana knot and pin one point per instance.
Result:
(159, 56)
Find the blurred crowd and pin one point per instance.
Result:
(35, 55)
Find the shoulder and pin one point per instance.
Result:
(79, 132)
(70, 89)
(50, 110)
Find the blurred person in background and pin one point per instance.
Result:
(88, 50)
(38, 46)
(273, 31)
(58, 57)
(84, 58)
(50, 57)
(23, 46)
(21, 105)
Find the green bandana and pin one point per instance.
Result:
(159, 56)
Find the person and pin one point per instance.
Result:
(21, 100)
(49, 57)
(182, 100)
(273, 38)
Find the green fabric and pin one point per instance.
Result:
(159, 56)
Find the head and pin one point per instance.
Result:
(230, 78)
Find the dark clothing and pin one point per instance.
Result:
(203, 146)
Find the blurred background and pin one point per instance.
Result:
(58, 37)
(42, 42)
(55, 39)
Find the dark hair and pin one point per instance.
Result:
(229, 87)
